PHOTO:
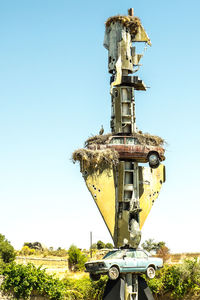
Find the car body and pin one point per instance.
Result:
(124, 261)
(129, 148)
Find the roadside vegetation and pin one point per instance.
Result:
(179, 281)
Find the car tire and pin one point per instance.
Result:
(151, 272)
(113, 273)
(95, 277)
(154, 160)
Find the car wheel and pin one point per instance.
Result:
(151, 272)
(95, 277)
(154, 160)
(113, 273)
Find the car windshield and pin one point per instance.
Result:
(116, 254)
(117, 141)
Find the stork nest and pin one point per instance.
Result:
(143, 138)
(96, 160)
(148, 139)
(98, 139)
(132, 23)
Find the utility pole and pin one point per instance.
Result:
(91, 244)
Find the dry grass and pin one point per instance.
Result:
(96, 160)
(148, 139)
(98, 139)
(143, 138)
(132, 23)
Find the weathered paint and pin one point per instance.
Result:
(123, 110)
(150, 183)
(102, 189)
(117, 40)
(142, 36)
(123, 229)
(120, 182)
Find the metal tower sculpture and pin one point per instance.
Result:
(123, 191)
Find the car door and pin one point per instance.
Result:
(130, 262)
(117, 143)
(135, 149)
(142, 260)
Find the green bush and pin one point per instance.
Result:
(109, 246)
(76, 259)
(179, 280)
(7, 252)
(85, 288)
(23, 280)
(26, 251)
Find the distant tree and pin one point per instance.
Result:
(7, 252)
(159, 245)
(93, 246)
(76, 259)
(100, 245)
(149, 245)
(60, 252)
(164, 253)
(109, 246)
(35, 245)
(26, 251)
(153, 247)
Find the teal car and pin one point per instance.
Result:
(124, 261)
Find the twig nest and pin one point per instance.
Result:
(131, 23)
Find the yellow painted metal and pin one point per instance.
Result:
(142, 36)
(151, 181)
(123, 229)
(102, 189)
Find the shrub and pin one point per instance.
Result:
(93, 246)
(76, 259)
(109, 246)
(59, 252)
(179, 280)
(26, 251)
(85, 288)
(7, 252)
(22, 280)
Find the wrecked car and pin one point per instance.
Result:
(124, 261)
(130, 147)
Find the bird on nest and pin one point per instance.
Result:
(101, 131)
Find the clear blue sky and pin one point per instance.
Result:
(54, 93)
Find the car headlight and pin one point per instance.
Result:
(101, 265)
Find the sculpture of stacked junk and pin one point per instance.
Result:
(124, 191)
